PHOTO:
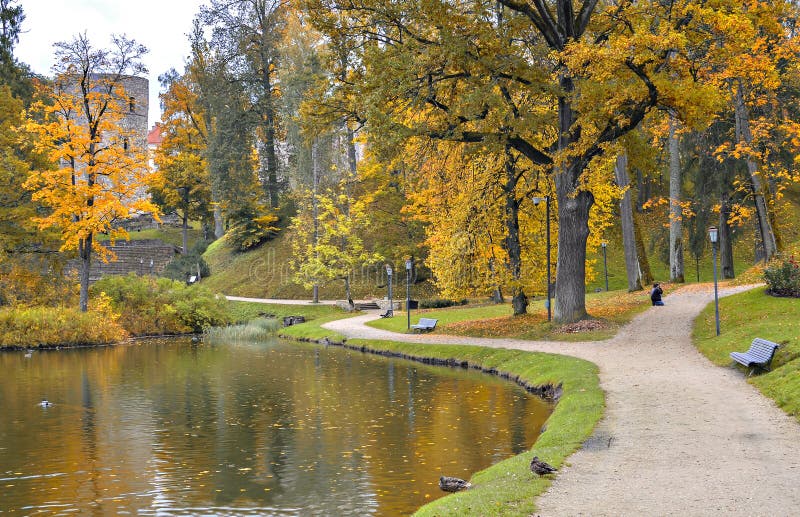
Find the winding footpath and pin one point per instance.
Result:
(680, 436)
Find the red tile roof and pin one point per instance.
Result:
(154, 135)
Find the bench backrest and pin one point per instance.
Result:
(762, 350)
(427, 322)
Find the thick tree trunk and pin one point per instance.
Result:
(626, 220)
(85, 255)
(513, 245)
(675, 213)
(573, 231)
(725, 240)
(573, 218)
(770, 245)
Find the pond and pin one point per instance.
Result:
(170, 428)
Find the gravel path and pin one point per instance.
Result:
(680, 436)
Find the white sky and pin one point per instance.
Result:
(160, 25)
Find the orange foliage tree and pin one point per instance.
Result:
(99, 166)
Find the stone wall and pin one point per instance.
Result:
(143, 257)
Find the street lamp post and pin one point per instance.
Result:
(536, 202)
(390, 312)
(605, 263)
(713, 236)
(409, 265)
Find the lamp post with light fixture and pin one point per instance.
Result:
(536, 201)
(390, 312)
(409, 265)
(713, 235)
(605, 263)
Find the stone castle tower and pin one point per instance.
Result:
(138, 102)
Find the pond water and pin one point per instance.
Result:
(170, 428)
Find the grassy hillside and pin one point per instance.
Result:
(265, 273)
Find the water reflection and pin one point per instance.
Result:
(172, 428)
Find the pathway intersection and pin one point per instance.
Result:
(680, 435)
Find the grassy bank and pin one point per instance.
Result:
(611, 310)
(508, 487)
(746, 316)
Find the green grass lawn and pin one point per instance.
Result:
(746, 316)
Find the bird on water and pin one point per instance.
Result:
(45, 403)
(540, 467)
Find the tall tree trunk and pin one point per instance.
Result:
(573, 218)
(519, 300)
(675, 212)
(743, 134)
(644, 264)
(725, 241)
(85, 255)
(626, 219)
(642, 190)
(271, 186)
(184, 231)
(315, 212)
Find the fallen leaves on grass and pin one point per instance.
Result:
(582, 326)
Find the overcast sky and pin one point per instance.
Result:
(160, 25)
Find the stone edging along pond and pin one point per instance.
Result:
(508, 487)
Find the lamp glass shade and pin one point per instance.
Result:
(409, 263)
(603, 244)
(713, 234)
(389, 270)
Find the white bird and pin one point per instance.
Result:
(45, 403)
(28, 354)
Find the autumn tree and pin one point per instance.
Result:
(100, 167)
(181, 181)
(247, 34)
(556, 82)
(327, 241)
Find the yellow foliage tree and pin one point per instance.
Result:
(100, 167)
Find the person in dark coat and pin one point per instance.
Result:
(655, 294)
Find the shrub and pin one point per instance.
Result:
(783, 278)
(439, 303)
(149, 305)
(252, 229)
(182, 267)
(60, 326)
